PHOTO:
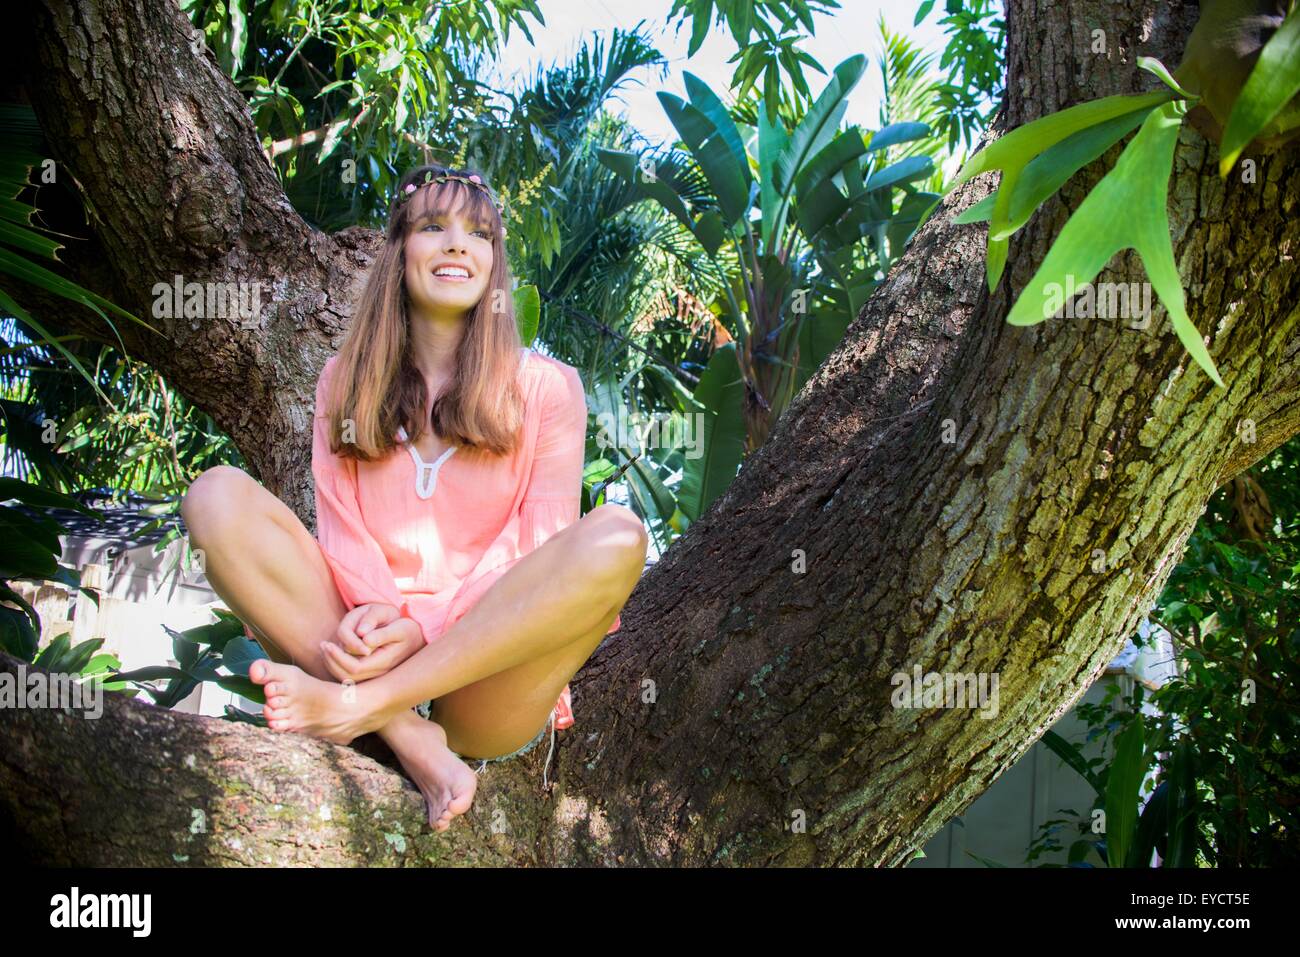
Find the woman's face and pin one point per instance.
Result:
(435, 246)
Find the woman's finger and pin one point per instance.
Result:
(335, 669)
(345, 662)
(384, 635)
(347, 634)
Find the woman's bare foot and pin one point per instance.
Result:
(295, 701)
(448, 785)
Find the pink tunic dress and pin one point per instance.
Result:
(429, 538)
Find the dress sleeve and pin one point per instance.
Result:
(355, 559)
(554, 494)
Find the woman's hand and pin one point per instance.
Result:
(372, 640)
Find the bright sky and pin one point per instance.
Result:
(839, 35)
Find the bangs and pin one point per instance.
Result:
(452, 198)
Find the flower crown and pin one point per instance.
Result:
(472, 180)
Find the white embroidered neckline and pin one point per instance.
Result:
(426, 473)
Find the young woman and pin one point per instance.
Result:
(450, 565)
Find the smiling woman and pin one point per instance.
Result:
(467, 580)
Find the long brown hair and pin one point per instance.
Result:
(375, 382)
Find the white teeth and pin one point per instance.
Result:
(451, 271)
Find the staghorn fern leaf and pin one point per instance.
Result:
(1126, 210)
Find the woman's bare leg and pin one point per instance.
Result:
(497, 672)
(268, 569)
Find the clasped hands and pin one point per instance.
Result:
(371, 640)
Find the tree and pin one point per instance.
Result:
(933, 496)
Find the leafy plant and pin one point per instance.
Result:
(1127, 208)
(20, 153)
(831, 219)
(771, 53)
(974, 58)
(201, 653)
(1219, 746)
(30, 551)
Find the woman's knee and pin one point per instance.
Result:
(213, 494)
(617, 540)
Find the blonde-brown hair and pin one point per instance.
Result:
(375, 382)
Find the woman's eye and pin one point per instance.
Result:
(486, 234)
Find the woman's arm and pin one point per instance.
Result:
(355, 559)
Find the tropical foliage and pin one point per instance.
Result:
(799, 223)
(1127, 209)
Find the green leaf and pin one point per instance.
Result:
(1183, 807)
(707, 476)
(152, 673)
(1154, 66)
(1014, 150)
(728, 177)
(79, 656)
(707, 102)
(845, 148)
(240, 654)
(1273, 82)
(701, 20)
(17, 636)
(1011, 153)
(1122, 794)
(1049, 171)
(52, 654)
(648, 488)
(244, 687)
(655, 187)
(528, 311)
(28, 494)
(772, 140)
(1150, 827)
(1073, 757)
(818, 127)
(1126, 210)
(904, 171)
(710, 230)
(216, 634)
(896, 133)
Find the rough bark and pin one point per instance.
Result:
(742, 698)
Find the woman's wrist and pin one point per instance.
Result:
(405, 612)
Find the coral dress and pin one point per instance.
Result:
(430, 538)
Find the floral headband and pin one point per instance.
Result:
(472, 180)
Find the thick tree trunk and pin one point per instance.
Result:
(948, 480)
